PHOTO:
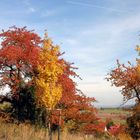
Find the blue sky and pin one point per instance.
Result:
(93, 33)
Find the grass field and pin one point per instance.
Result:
(28, 132)
(117, 115)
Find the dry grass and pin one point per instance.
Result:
(28, 132)
(21, 132)
(124, 136)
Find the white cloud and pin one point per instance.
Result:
(71, 41)
(48, 13)
(115, 27)
(30, 8)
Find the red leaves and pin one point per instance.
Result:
(20, 44)
(94, 128)
(18, 56)
(127, 78)
(116, 129)
(74, 104)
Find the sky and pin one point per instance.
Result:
(92, 33)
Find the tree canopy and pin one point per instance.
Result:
(126, 77)
(18, 57)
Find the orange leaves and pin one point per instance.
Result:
(94, 128)
(76, 107)
(128, 78)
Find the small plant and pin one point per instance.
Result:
(5, 106)
(109, 123)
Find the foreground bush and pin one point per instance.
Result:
(134, 123)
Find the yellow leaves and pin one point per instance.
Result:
(50, 68)
(138, 70)
(138, 60)
(138, 49)
(51, 93)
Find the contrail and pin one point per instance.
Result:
(97, 6)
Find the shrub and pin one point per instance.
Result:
(134, 125)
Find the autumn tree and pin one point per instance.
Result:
(18, 58)
(78, 111)
(128, 78)
(50, 67)
(48, 89)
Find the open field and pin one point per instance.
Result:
(117, 115)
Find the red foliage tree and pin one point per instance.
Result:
(77, 109)
(18, 58)
(126, 77)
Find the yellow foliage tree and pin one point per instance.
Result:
(138, 60)
(50, 67)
